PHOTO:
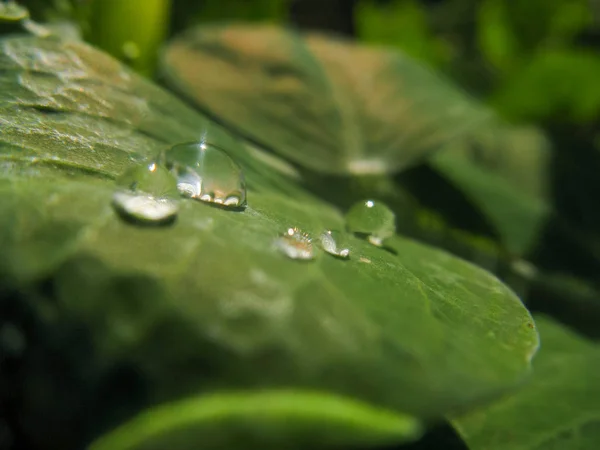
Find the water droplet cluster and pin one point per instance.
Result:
(367, 218)
(150, 193)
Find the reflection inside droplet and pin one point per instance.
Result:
(333, 242)
(207, 173)
(147, 193)
(295, 244)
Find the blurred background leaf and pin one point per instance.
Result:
(322, 103)
(209, 303)
(558, 409)
(404, 25)
(130, 30)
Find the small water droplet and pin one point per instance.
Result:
(373, 219)
(295, 244)
(147, 193)
(333, 242)
(207, 173)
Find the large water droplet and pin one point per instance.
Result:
(333, 242)
(373, 219)
(147, 193)
(205, 172)
(295, 244)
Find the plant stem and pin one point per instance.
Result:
(131, 30)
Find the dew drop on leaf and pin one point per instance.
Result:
(207, 173)
(333, 242)
(295, 244)
(373, 219)
(147, 193)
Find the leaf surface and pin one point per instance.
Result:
(558, 409)
(208, 303)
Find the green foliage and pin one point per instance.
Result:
(508, 37)
(527, 60)
(131, 30)
(536, 57)
(553, 84)
(409, 328)
(496, 40)
(558, 409)
(402, 24)
(200, 331)
(294, 419)
(503, 171)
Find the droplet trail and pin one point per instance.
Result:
(333, 242)
(147, 193)
(373, 219)
(207, 173)
(295, 244)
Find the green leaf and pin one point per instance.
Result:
(323, 103)
(208, 304)
(224, 420)
(557, 22)
(131, 31)
(558, 409)
(504, 171)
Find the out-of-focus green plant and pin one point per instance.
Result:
(186, 14)
(539, 70)
(403, 24)
(130, 30)
(526, 50)
(561, 82)
(556, 24)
